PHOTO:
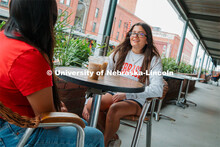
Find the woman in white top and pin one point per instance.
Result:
(135, 54)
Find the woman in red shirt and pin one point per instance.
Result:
(26, 83)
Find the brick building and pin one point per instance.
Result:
(168, 44)
(122, 21)
(86, 15)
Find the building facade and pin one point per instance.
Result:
(168, 45)
(85, 16)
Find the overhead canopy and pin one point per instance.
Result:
(204, 21)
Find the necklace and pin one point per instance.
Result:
(134, 57)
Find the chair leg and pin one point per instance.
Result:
(158, 115)
(188, 101)
(140, 123)
(148, 134)
(166, 117)
(149, 125)
(25, 137)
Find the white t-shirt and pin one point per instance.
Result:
(133, 62)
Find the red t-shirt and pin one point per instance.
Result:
(23, 71)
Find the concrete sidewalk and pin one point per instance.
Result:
(194, 126)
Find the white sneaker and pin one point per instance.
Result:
(115, 143)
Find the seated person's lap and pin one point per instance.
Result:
(57, 136)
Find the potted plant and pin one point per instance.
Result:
(70, 51)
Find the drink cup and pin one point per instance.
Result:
(104, 65)
(95, 64)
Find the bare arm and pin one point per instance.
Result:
(42, 101)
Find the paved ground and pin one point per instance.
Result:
(194, 126)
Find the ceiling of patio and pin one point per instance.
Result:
(204, 21)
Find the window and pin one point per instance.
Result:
(4, 3)
(59, 13)
(96, 12)
(67, 2)
(61, 1)
(122, 36)
(119, 24)
(93, 27)
(65, 16)
(117, 36)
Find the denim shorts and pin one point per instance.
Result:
(112, 93)
(58, 137)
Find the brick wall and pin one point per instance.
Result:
(130, 5)
(71, 9)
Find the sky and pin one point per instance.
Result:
(159, 13)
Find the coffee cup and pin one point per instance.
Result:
(95, 65)
(104, 65)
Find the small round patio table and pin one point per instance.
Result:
(98, 87)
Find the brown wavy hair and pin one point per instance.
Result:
(149, 51)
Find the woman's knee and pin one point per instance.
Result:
(114, 109)
(106, 102)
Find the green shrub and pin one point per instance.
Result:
(69, 51)
(1, 25)
(169, 64)
(80, 52)
(184, 68)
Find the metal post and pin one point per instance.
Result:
(179, 95)
(195, 55)
(94, 114)
(180, 49)
(198, 65)
(102, 27)
(212, 69)
(25, 137)
(109, 25)
(209, 63)
(206, 63)
(200, 69)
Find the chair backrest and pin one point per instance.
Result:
(165, 89)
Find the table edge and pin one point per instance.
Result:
(101, 86)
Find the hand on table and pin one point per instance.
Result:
(118, 97)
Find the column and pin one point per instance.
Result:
(195, 55)
(209, 63)
(200, 69)
(102, 27)
(109, 25)
(180, 49)
(105, 29)
(207, 60)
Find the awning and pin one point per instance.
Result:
(204, 21)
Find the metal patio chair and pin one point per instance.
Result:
(51, 119)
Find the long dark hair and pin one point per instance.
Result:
(33, 21)
(149, 51)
